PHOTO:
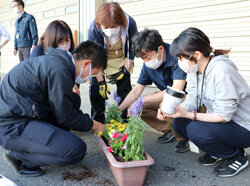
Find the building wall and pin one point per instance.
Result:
(226, 22)
(44, 12)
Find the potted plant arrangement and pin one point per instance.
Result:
(121, 144)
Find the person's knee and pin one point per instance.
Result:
(177, 126)
(197, 133)
(76, 153)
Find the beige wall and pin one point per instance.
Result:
(38, 8)
(226, 22)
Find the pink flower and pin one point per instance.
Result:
(115, 142)
(124, 137)
(110, 149)
(110, 140)
(116, 135)
(125, 134)
(123, 147)
(122, 140)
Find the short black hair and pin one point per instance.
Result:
(191, 40)
(92, 51)
(146, 40)
(20, 2)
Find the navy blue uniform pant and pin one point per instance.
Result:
(222, 140)
(38, 143)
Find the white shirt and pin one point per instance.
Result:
(4, 33)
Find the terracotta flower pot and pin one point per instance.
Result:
(131, 173)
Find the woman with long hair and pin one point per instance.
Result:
(213, 81)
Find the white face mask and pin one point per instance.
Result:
(111, 31)
(16, 10)
(80, 80)
(185, 66)
(113, 34)
(65, 47)
(154, 64)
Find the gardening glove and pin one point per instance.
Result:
(118, 76)
(104, 89)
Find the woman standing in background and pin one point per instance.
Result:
(113, 29)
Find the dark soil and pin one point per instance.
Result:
(106, 182)
(168, 168)
(83, 174)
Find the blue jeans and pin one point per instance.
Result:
(222, 140)
(38, 143)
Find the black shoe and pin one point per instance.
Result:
(166, 138)
(18, 166)
(231, 167)
(182, 146)
(207, 160)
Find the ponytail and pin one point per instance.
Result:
(218, 52)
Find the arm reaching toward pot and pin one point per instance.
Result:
(98, 126)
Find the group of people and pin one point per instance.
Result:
(40, 99)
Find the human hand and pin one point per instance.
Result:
(180, 113)
(76, 90)
(161, 115)
(104, 89)
(98, 126)
(15, 52)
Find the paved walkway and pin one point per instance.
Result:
(170, 168)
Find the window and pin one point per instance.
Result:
(71, 9)
(49, 14)
(29, 2)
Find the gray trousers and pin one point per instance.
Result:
(24, 53)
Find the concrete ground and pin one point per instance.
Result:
(170, 168)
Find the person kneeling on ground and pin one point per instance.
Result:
(37, 101)
(213, 80)
(159, 68)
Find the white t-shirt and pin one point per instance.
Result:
(4, 33)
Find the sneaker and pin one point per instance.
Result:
(182, 146)
(166, 138)
(231, 167)
(19, 167)
(207, 160)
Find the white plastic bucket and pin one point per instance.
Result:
(172, 97)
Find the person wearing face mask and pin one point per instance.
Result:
(57, 35)
(213, 81)
(37, 89)
(113, 29)
(162, 69)
(26, 35)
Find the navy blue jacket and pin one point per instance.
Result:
(26, 31)
(37, 51)
(39, 88)
(98, 36)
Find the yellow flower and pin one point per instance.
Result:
(99, 134)
(121, 127)
(112, 121)
(110, 126)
